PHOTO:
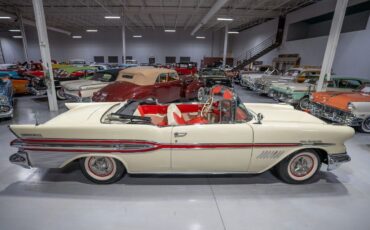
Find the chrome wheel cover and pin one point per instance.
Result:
(201, 94)
(301, 165)
(101, 166)
(304, 103)
(366, 125)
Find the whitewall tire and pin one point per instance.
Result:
(304, 103)
(60, 94)
(201, 95)
(299, 167)
(365, 125)
(102, 170)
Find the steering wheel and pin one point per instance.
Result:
(206, 107)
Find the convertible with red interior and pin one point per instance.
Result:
(219, 136)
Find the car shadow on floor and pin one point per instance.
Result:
(69, 182)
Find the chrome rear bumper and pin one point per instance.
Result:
(335, 160)
(21, 159)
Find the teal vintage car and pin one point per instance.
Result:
(297, 94)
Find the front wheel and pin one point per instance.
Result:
(201, 95)
(102, 170)
(365, 125)
(300, 167)
(304, 104)
(60, 94)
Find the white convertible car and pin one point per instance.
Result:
(219, 136)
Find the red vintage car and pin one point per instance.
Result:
(161, 84)
(186, 68)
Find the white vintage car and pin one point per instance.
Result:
(248, 79)
(220, 136)
(82, 90)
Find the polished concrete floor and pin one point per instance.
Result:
(63, 199)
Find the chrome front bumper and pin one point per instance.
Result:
(20, 158)
(7, 114)
(37, 92)
(335, 160)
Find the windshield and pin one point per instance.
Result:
(102, 76)
(216, 72)
(292, 72)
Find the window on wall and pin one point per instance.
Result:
(170, 60)
(127, 58)
(99, 59)
(112, 59)
(184, 59)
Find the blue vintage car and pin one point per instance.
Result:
(6, 98)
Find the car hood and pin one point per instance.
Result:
(340, 100)
(282, 113)
(76, 84)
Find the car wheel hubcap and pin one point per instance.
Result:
(304, 104)
(366, 124)
(301, 165)
(201, 94)
(101, 166)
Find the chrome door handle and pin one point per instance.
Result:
(180, 134)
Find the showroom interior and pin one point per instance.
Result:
(184, 114)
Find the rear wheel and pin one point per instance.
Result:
(300, 167)
(60, 94)
(102, 170)
(365, 125)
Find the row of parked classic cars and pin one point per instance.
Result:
(345, 100)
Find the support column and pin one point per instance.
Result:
(45, 53)
(24, 38)
(225, 45)
(124, 40)
(331, 46)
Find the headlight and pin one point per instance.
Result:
(311, 97)
(351, 107)
(3, 100)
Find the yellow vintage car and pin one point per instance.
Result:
(219, 136)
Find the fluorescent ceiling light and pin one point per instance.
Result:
(112, 17)
(137, 36)
(233, 32)
(15, 30)
(5, 17)
(17, 36)
(76, 36)
(94, 30)
(200, 37)
(225, 19)
(170, 31)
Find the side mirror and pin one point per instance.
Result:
(259, 118)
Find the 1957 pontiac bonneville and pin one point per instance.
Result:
(221, 135)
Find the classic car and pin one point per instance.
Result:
(159, 84)
(6, 98)
(20, 85)
(82, 90)
(8, 67)
(211, 77)
(263, 85)
(61, 74)
(186, 68)
(297, 94)
(352, 108)
(248, 78)
(219, 136)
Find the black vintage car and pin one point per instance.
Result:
(210, 77)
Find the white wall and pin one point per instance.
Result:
(352, 53)
(108, 42)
